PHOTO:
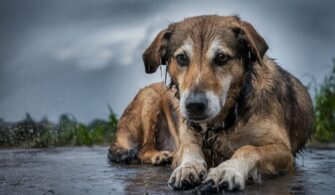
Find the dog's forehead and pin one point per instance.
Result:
(202, 30)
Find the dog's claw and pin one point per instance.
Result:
(186, 176)
(191, 177)
(206, 187)
(186, 185)
(202, 175)
(173, 179)
(224, 185)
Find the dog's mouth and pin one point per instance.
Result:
(198, 119)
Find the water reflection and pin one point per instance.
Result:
(87, 171)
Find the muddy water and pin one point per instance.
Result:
(86, 171)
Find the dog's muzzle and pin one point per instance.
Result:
(200, 107)
(196, 105)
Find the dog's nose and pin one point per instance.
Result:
(196, 104)
(196, 107)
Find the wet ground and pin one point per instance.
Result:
(87, 171)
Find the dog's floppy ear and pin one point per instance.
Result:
(156, 53)
(255, 43)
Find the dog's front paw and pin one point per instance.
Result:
(162, 158)
(188, 175)
(227, 176)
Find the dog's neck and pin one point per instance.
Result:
(217, 125)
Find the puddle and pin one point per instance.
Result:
(86, 171)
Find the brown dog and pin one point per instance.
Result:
(244, 115)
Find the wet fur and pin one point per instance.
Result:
(146, 131)
(267, 116)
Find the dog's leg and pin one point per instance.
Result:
(189, 158)
(124, 150)
(151, 116)
(248, 162)
(155, 157)
(148, 153)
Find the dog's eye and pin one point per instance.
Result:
(221, 59)
(182, 60)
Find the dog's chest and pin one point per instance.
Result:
(214, 141)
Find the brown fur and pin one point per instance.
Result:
(147, 128)
(272, 111)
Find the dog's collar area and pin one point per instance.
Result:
(209, 132)
(203, 128)
(228, 122)
(206, 131)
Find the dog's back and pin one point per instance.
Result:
(298, 110)
(277, 93)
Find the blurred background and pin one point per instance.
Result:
(83, 57)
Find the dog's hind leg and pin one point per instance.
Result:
(149, 152)
(155, 157)
(165, 137)
(128, 134)
(139, 125)
(120, 154)
(153, 121)
(122, 151)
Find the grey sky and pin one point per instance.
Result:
(78, 56)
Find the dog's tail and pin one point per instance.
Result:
(119, 154)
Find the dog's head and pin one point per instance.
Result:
(207, 58)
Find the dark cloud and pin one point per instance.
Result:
(78, 56)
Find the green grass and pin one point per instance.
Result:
(324, 106)
(67, 132)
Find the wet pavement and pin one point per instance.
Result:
(87, 171)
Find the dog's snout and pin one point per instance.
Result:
(196, 104)
(196, 107)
